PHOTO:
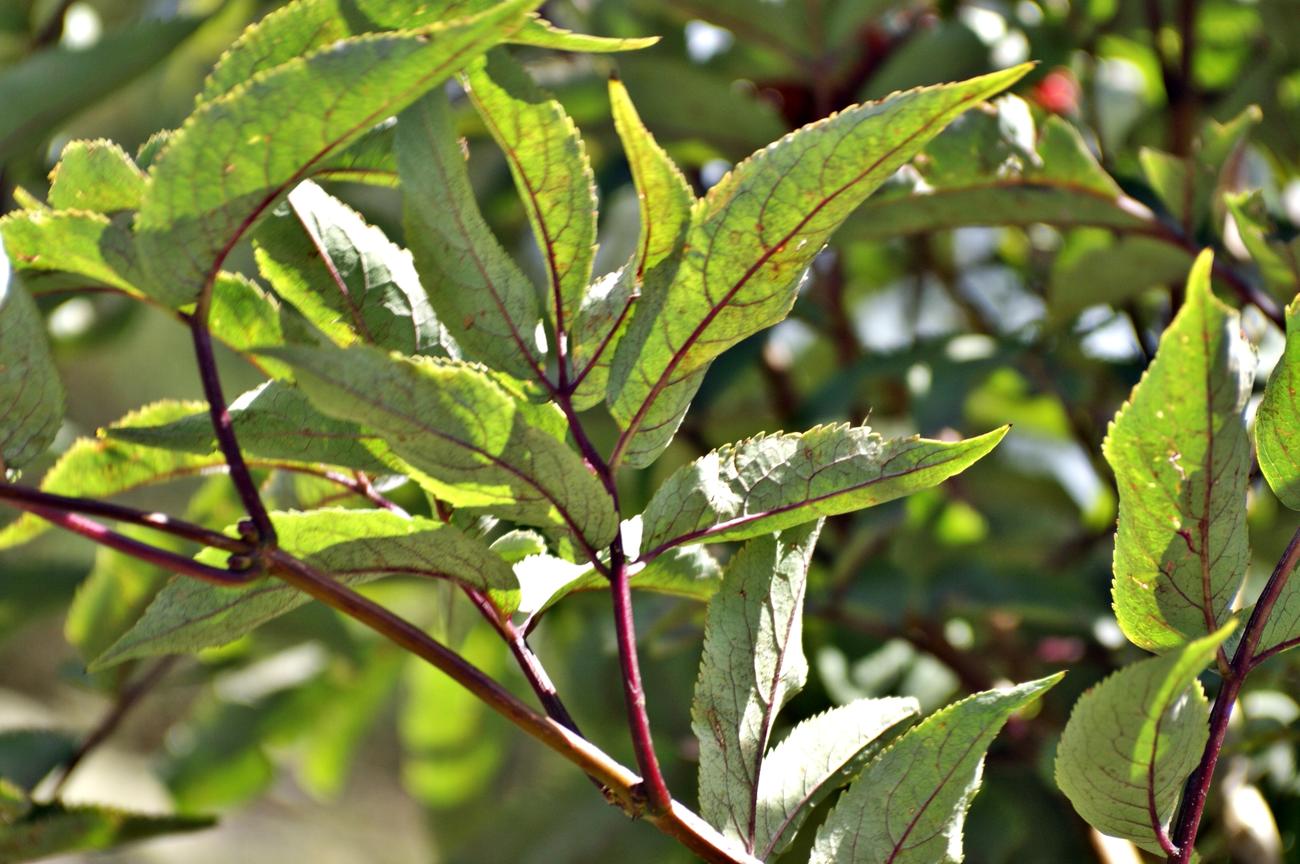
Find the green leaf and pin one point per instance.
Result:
(237, 154)
(478, 291)
(345, 276)
(601, 322)
(244, 316)
(819, 755)
(355, 545)
(1113, 273)
(47, 88)
(113, 597)
(96, 175)
(101, 467)
(979, 172)
(1277, 423)
(540, 33)
(1277, 256)
(1181, 458)
(752, 237)
(31, 394)
(549, 164)
(753, 663)
(299, 28)
(475, 442)
(272, 421)
(14, 803)
(773, 482)
(72, 241)
(909, 805)
(52, 829)
(28, 755)
(1132, 741)
(687, 572)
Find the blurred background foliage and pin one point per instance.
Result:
(994, 280)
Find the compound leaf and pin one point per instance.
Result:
(1181, 458)
(909, 805)
(238, 154)
(550, 168)
(478, 291)
(31, 394)
(1132, 741)
(775, 481)
(753, 663)
(750, 240)
(354, 545)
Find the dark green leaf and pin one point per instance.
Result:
(31, 394)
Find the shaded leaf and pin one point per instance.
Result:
(1277, 423)
(28, 755)
(237, 154)
(272, 421)
(479, 292)
(1113, 273)
(550, 168)
(819, 755)
(113, 596)
(355, 545)
(31, 394)
(1181, 458)
(96, 175)
(52, 829)
(1277, 257)
(751, 239)
(600, 324)
(345, 276)
(775, 481)
(50, 86)
(909, 806)
(472, 441)
(753, 663)
(1132, 741)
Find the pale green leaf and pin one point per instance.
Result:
(601, 322)
(48, 87)
(549, 164)
(244, 316)
(31, 394)
(96, 175)
(1181, 458)
(752, 237)
(53, 829)
(909, 805)
(345, 276)
(473, 442)
(113, 596)
(272, 421)
(354, 545)
(540, 33)
(819, 755)
(478, 291)
(753, 663)
(978, 172)
(73, 241)
(1132, 741)
(1277, 423)
(237, 154)
(775, 481)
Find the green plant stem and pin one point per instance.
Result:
(157, 521)
(1197, 791)
(623, 787)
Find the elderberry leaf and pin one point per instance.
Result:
(1181, 458)
(52, 829)
(31, 394)
(98, 176)
(1277, 423)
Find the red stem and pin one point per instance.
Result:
(1197, 791)
(21, 495)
